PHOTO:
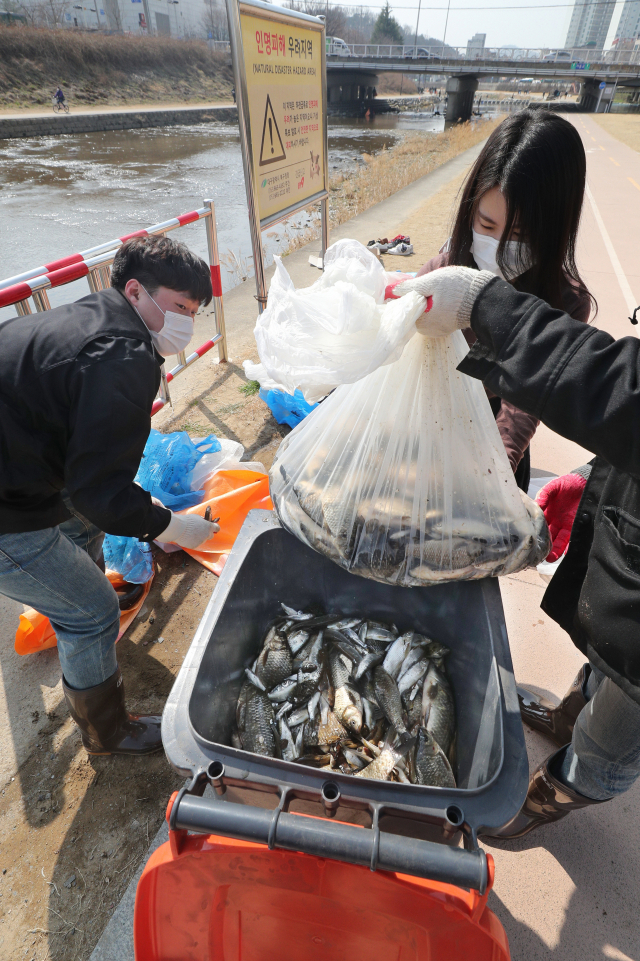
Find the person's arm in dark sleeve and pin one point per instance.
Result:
(576, 379)
(110, 394)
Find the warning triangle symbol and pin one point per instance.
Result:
(272, 148)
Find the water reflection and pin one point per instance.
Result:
(59, 195)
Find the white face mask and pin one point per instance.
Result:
(484, 249)
(175, 334)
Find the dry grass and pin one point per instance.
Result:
(102, 69)
(622, 126)
(390, 170)
(395, 83)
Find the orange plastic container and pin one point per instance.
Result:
(208, 898)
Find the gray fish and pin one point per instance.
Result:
(415, 673)
(295, 615)
(414, 655)
(438, 708)
(254, 679)
(297, 641)
(413, 707)
(282, 691)
(343, 706)
(311, 651)
(256, 722)
(430, 764)
(396, 654)
(286, 741)
(388, 697)
(436, 649)
(372, 659)
(274, 662)
(307, 683)
(284, 709)
(299, 716)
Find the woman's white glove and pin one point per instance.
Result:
(451, 293)
(188, 530)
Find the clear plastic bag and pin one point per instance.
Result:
(402, 477)
(334, 332)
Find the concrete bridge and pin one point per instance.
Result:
(351, 80)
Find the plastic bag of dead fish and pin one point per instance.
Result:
(350, 695)
(402, 477)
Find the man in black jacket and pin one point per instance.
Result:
(585, 386)
(76, 388)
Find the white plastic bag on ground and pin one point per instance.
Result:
(229, 457)
(403, 477)
(334, 332)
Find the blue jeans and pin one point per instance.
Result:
(603, 758)
(55, 571)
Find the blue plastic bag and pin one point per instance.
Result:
(287, 408)
(129, 557)
(167, 461)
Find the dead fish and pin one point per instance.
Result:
(297, 640)
(307, 683)
(343, 706)
(331, 730)
(254, 679)
(286, 741)
(282, 691)
(372, 659)
(274, 662)
(396, 654)
(430, 764)
(414, 674)
(381, 767)
(295, 615)
(256, 722)
(438, 709)
(388, 697)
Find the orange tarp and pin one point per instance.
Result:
(231, 494)
(35, 632)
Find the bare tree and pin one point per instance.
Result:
(215, 21)
(335, 19)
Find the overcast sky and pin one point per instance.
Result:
(523, 23)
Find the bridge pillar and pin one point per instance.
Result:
(460, 91)
(593, 99)
(350, 92)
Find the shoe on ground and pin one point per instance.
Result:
(548, 799)
(402, 249)
(555, 721)
(106, 725)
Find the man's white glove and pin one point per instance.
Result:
(451, 293)
(188, 530)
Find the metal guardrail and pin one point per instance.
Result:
(584, 57)
(94, 264)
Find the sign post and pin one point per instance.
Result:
(280, 76)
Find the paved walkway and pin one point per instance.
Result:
(111, 108)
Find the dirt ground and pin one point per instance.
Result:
(73, 829)
(622, 126)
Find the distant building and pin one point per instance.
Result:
(589, 25)
(629, 25)
(475, 46)
(171, 18)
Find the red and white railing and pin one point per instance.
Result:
(95, 263)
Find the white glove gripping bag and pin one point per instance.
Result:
(334, 332)
(402, 476)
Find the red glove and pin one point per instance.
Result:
(559, 500)
(389, 294)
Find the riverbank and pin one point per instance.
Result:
(99, 69)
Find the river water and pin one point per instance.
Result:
(59, 195)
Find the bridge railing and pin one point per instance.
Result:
(582, 57)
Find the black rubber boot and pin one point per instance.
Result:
(547, 800)
(555, 720)
(106, 725)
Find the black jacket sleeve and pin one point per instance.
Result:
(111, 388)
(576, 379)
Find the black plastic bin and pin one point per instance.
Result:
(267, 566)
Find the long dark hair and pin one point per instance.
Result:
(537, 160)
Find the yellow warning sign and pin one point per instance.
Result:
(285, 86)
(271, 150)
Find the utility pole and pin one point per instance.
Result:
(446, 24)
(415, 39)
